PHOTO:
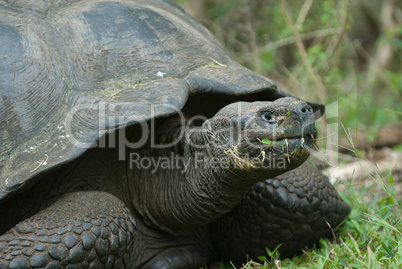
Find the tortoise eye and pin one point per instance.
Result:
(268, 117)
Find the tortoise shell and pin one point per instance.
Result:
(71, 71)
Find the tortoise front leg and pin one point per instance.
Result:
(80, 230)
(292, 209)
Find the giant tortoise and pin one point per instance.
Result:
(130, 139)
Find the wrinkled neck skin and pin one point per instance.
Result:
(200, 185)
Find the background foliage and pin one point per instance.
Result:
(348, 51)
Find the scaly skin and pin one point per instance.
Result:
(292, 209)
(84, 213)
(82, 229)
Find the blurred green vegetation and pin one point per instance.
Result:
(330, 50)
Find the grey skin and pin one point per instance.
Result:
(105, 213)
(82, 81)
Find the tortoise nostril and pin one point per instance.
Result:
(306, 109)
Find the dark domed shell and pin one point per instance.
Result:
(72, 70)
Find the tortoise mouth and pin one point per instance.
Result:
(293, 145)
(302, 141)
(259, 151)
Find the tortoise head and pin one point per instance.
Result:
(274, 135)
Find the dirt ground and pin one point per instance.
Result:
(372, 172)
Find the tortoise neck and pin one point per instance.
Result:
(195, 191)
